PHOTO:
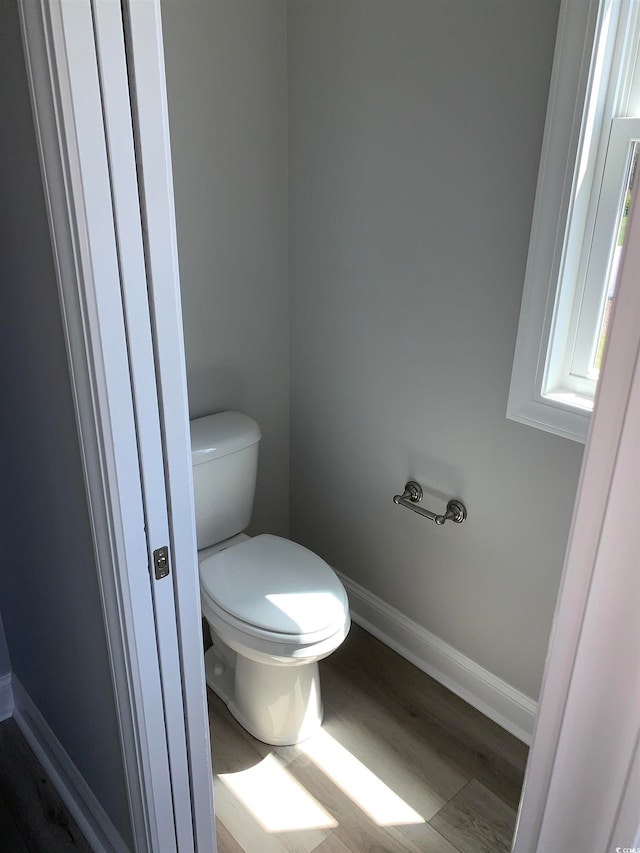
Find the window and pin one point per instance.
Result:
(587, 170)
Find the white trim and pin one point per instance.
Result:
(63, 78)
(61, 39)
(499, 701)
(591, 233)
(93, 821)
(6, 696)
(584, 766)
(151, 131)
(569, 80)
(553, 382)
(114, 85)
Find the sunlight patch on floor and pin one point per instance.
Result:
(362, 786)
(275, 799)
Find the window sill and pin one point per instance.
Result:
(570, 400)
(565, 414)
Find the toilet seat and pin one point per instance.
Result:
(274, 589)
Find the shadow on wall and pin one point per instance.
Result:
(444, 480)
(216, 389)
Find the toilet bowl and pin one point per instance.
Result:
(278, 609)
(273, 607)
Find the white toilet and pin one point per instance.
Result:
(274, 608)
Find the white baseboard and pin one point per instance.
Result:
(499, 701)
(6, 697)
(93, 821)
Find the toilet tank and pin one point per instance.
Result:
(224, 456)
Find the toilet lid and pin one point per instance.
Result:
(276, 585)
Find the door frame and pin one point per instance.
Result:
(75, 60)
(582, 784)
(143, 24)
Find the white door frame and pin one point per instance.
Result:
(116, 109)
(151, 121)
(582, 786)
(78, 80)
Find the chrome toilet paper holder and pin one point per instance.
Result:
(411, 497)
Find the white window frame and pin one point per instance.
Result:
(579, 194)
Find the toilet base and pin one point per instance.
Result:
(278, 705)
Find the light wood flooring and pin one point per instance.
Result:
(401, 764)
(33, 818)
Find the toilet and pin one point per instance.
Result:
(274, 608)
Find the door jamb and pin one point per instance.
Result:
(583, 774)
(145, 56)
(63, 81)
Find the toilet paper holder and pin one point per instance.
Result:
(412, 495)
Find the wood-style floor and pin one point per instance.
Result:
(33, 818)
(400, 764)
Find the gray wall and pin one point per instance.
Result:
(227, 91)
(48, 586)
(408, 134)
(414, 140)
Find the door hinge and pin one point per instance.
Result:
(161, 562)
